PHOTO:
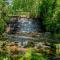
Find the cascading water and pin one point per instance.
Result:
(25, 29)
(28, 25)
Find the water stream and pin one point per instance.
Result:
(28, 25)
(24, 29)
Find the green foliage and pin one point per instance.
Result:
(49, 14)
(22, 5)
(37, 56)
(26, 6)
(29, 55)
(4, 11)
(2, 26)
(50, 21)
(58, 22)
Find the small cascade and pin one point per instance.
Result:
(28, 25)
(25, 29)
